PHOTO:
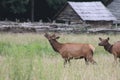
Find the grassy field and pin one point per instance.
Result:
(30, 57)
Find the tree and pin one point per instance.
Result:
(13, 7)
(55, 4)
(34, 9)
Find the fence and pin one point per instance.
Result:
(18, 27)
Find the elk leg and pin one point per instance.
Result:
(69, 61)
(65, 62)
(94, 62)
(86, 61)
(91, 60)
(115, 59)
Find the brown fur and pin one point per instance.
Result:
(69, 51)
(113, 49)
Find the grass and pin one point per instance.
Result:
(30, 57)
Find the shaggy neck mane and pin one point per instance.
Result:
(55, 45)
(108, 47)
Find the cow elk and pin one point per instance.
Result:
(70, 51)
(111, 48)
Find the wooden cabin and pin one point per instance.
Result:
(93, 13)
(114, 7)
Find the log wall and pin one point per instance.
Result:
(69, 15)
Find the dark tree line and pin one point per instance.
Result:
(33, 9)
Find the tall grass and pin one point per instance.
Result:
(30, 57)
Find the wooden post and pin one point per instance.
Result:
(116, 26)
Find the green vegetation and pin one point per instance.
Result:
(30, 57)
(33, 9)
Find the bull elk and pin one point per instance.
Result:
(111, 48)
(70, 51)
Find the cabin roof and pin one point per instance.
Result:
(114, 7)
(92, 11)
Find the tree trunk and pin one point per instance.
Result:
(32, 10)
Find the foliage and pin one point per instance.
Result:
(42, 8)
(15, 6)
(55, 4)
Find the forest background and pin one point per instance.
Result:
(34, 10)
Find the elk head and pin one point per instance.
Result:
(51, 37)
(103, 42)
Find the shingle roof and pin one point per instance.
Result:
(92, 11)
(114, 7)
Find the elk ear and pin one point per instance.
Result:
(108, 38)
(100, 38)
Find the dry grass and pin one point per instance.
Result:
(26, 63)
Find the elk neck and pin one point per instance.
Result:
(108, 47)
(55, 45)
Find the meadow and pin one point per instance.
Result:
(29, 56)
